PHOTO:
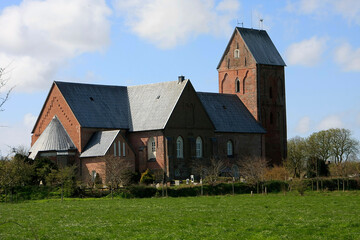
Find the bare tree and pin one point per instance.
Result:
(4, 95)
(253, 169)
(343, 145)
(118, 172)
(297, 157)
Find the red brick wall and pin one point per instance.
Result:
(139, 142)
(243, 69)
(55, 104)
(98, 163)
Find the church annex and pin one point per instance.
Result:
(169, 125)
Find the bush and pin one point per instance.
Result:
(147, 177)
(140, 191)
(276, 186)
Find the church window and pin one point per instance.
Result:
(230, 151)
(236, 53)
(124, 149)
(228, 63)
(237, 85)
(93, 175)
(151, 149)
(119, 147)
(179, 147)
(271, 118)
(244, 86)
(270, 92)
(199, 147)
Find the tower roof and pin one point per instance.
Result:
(260, 46)
(54, 138)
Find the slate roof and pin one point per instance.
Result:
(229, 114)
(53, 138)
(97, 106)
(151, 105)
(99, 143)
(260, 46)
(137, 108)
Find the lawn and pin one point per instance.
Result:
(334, 215)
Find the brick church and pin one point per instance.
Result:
(169, 125)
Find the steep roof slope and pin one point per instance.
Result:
(260, 46)
(151, 105)
(54, 138)
(99, 143)
(97, 106)
(229, 114)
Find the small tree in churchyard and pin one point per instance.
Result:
(253, 169)
(118, 172)
(63, 177)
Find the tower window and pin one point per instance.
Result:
(271, 118)
(236, 53)
(237, 85)
(244, 86)
(270, 92)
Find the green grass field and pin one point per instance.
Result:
(333, 215)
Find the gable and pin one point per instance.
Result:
(257, 45)
(99, 143)
(189, 112)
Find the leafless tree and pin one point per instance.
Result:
(343, 145)
(253, 169)
(4, 94)
(117, 172)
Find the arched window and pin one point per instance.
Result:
(230, 151)
(199, 147)
(244, 86)
(271, 118)
(236, 53)
(228, 63)
(237, 85)
(179, 147)
(151, 148)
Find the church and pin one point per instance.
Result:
(168, 126)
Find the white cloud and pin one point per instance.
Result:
(348, 9)
(169, 23)
(37, 37)
(348, 57)
(303, 125)
(307, 52)
(332, 121)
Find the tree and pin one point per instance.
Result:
(277, 173)
(297, 156)
(253, 169)
(63, 177)
(343, 146)
(118, 172)
(4, 95)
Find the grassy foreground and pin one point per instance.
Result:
(334, 215)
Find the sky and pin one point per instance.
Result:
(120, 42)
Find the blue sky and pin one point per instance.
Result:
(145, 41)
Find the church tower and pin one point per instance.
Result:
(252, 68)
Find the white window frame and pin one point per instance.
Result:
(151, 148)
(199, 146)
(179, 147)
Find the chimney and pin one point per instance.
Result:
(181, 79)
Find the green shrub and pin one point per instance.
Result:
(276, 186)
(147, 177)
(140, 191)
